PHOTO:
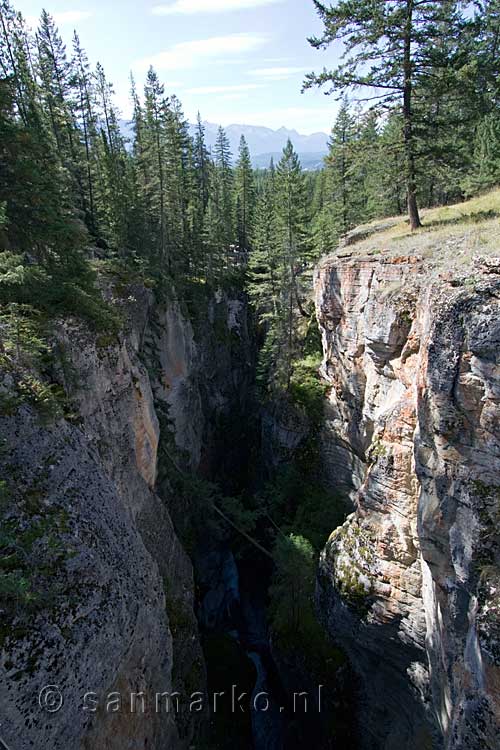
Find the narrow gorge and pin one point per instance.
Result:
(249, 375)
(148, 594)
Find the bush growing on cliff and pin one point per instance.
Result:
(33, 548)
(307, 390)
(293, 583)
(300, 504)
(293, 621)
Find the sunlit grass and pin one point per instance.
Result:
(450, 235)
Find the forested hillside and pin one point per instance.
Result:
(208, 370)
(422, 121)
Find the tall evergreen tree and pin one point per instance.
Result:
(201, 163)
(278, 280)
(55, 75)
(86, 118)
(179, 187)
(264, 255)
(153, 154)
(219, 219)
(387, 51)
(342, 180)
(245, 196)
(485, 171)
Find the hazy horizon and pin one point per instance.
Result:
(228, 59)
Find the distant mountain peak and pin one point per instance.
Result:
(264, 142)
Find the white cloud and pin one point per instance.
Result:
(64, 18)
(225, 89)
(232, 97)
(72, 16)
(188, 7)
(304, 119)
(124, 104)
(276, 74)
(188, 54)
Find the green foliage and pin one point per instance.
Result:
(245, 197)
(485, 157)
(32, 549)
(23, 335)
(428, 67)
(293, 621)
(293, 585)
(48, 399)
(307, 390)
(277, 267)
(298, 503)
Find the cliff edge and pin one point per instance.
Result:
(410, 584)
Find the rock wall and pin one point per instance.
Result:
(116, 617)
(409, 584)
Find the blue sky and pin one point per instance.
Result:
(237, 61)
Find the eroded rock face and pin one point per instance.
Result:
(103, 629)
(409, 584)
(118, 619)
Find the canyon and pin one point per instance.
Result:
(408, 586)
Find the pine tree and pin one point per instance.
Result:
(389, 168)
(179, 190)
(55, 75)
(292, 587)
(485, 171)
(291, 222)
(114, 192)
(87, 120)
(14, 58)
(215, 249)
(44, 238)
(342, 180)
(278, 265)
(201, 164)
(264, 256)
(245, 196)
(387, 51)
(368, 155)
(223, 192)
(153, 155)
(201, 193)
(324, 231)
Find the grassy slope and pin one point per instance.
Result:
(450, 237)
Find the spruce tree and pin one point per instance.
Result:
(219, 232)
(153, 154)
(245, 196)
(342, 180)
(277, 268)
(264, 256)
(55, 73)
(81, 79)
(292, 234)
(324, 231)
(223, 177)
(179, 188)
(201, 164)
(485, 172)
(386, 51)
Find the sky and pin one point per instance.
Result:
(235, 61)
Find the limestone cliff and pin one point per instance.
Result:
(409, 585)
(114, 616)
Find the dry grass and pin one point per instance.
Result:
(450, 236)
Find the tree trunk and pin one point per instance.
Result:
(411, 188)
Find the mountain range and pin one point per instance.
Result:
(265, 143)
